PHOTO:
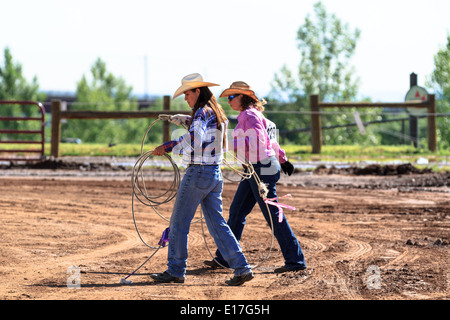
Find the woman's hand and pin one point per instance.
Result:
(287, 168)
(159, 151)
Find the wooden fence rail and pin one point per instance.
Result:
(58, 114)
(315, 105)
(316, 131)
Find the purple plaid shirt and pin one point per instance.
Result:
(203, 143)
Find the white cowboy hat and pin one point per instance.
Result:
(192, 81)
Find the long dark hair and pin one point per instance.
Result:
(247, 102)
(206, 97)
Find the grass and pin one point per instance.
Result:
(347, 154)
(342, 152)
(99, 150)
(438, 161)
(356, 153)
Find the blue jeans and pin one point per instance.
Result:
(202, 185)
(247, 195)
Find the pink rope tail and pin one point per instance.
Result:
(280, 206)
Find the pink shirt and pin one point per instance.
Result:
(251, 140)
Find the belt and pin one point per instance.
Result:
(200, 165)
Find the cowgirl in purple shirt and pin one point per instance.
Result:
(252, 143)
(202, 185)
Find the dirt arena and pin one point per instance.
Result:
(69, 234)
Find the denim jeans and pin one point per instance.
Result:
(247, 195)
(202, 185)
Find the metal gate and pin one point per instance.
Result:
(18, 154)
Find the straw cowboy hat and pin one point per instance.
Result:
(192, 81)
(239, 87)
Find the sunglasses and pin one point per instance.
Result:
(232, 97)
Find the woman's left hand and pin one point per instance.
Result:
(287, 168)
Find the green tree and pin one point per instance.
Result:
(14, 86)
(440, 81)
(326, 46)
(105, 92)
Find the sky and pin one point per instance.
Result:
(154, 44)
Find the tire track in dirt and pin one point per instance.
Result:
(131, 241)
(358, 249)
(407, 282)
(328, 268)
(45, 272)
(337, 275)
(404, 257)
(95, 254)
(335, 257)
(313, 247)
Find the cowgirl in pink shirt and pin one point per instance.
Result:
(252, 143)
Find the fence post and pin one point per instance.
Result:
(56, 127)
(316, 134)
(413, 120)
(432, 141)
(166, 124)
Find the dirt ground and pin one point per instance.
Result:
(69, 234)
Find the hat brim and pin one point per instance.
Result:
(230, 92)
(192, 85)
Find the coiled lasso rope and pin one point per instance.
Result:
(140, 192)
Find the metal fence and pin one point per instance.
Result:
(23, 153)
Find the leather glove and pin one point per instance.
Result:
(164, 117)
(179, 119)
(287, 168)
